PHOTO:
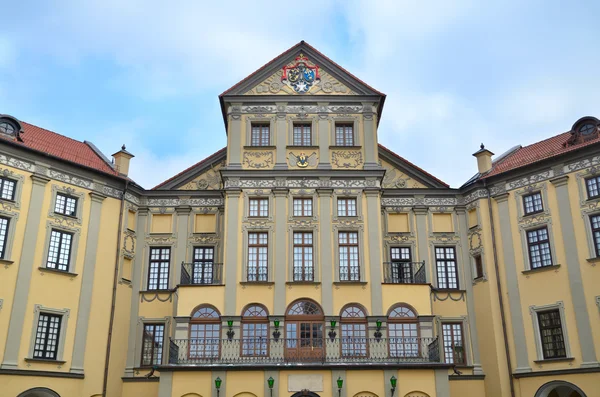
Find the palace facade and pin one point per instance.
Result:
(303, 259)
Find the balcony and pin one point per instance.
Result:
(298, 352)
(201, 273)
(404, 273)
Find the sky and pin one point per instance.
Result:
(148, 73)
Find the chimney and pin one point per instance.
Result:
(484, 159)
(122, 158)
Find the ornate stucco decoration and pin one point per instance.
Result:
(581, 164)
(195, 202)
(302, 160)
(530, 179)
(346, 158)
(445, 295)
(300, 183)
(475, 242)
(476, 195)
(129, 244)
(210, 180)
(204, 238)
(301, 75)
(16, 163)
(258, 160)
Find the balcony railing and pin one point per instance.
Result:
(404, 272)
(201, 273)
(257, 351)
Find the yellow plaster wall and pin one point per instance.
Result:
(162, 223)
(365, 380)
(461, 388)
(442, 223)
(131, 220)
(588, 383)
(190, 297)
(198, 382)
(398, 223)
(15, 385)
(472, 217)
(418, 296)
(205, 223)
(136, 389)
(415, 380)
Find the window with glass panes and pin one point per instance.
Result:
(4, 222)
(59, 251)
(202, 272)
(158, 274)
(7, 189)
(593, 186)
(258, 250)
(402, 269)
(303, 207)
(303, 256)
(302, 135)
(47, 336)
(65, 205)
(353, 323)
(532, 203)
(595, 221)
(454, 349)
(344, 134)
(346, 206)
(403, 332)
(258, 207)
(538, 245)
(255, 331)
(152, 344)
(478, 266)
(260, 135)
(205, 333)
(348, 255)
(551, 333)
(447, 274)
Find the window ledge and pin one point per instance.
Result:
(257, 282)
(303, 283)
(44, 360)
(590, 260)
(301, 147)
(201, 285)
(159, 291)
(541, 269)
(260, 147)
(552, 360)
(457, 290)
(349, 283)
(66, 215)
(345, 147)
(49, 270)
(6, 262)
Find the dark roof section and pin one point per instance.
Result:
(207, 161)
(424, 175)
(64, 148)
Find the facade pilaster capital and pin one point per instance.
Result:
(183, 210)
(97, 197)
(280, 192)
(233, 193)
(560, 181)
(324, 192)
(420, 210)
(143, 211)
(39, 179)
(501, 197)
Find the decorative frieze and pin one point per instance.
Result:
(300, 183)
(194, 202)
(412, 201)
(346, 159)
(16, 163)
(258, 160)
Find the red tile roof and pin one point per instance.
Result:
(536, 152)
(198, 164)
(402, 159)
(62, 147)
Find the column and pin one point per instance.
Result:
(179, 256)
(326, 259)
(442, 384)
(422, 240)
(136, 283)
(370, 136)
(324, 129)
(165, 385)
(584, 331)
(26, 265)
(234, 135)
(87, 282)
(280, 265)
(468, 276)
(512, 285)
(281, 129)
(231, 237)
(375, 264)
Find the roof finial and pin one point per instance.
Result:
(481, 146)
(123, 147)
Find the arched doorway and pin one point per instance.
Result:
(559, 388)
(304, 324)
(39, 392)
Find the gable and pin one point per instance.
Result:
(210, 179)
(395, 178)
(204, 175)
(402, 174)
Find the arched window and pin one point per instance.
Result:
(255, 331)
(353, 324)
(403, 332)
(205, 333)
(304, 324)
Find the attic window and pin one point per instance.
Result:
(7, 127)
(587, 129)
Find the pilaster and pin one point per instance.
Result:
(231, 237)
(324, 130)
(422, 239)
(281, 137)
(280, 248)
(370, 136)
(375, 263)
(326, 259)
(234, 136)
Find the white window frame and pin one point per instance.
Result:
(64, 313)
(74, 248)
(534, 310)
(68, 220)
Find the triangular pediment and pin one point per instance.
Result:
(204, 175)
(402, 174)
(301, 70)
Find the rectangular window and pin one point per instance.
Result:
(478, 266)
(202, 271)
(344, 135)
(255, 339)
(346, 206)
(158, 275)
(302, 135)
(65, 205)
(538, 244)
(4, 222)
(303, 256)
(7, 189)
(258, 249)
(259, 207)
(454, 349)
(402, 269)
(593, 187)
(47, 336)
(551, 334)
(348, 250)
(532, 203)
(152, 344)
(595, 221)
(260, 135)
(302, 207)
(59, 251)
(447, 274)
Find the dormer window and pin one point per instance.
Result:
(7, 128)
(585, 129)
